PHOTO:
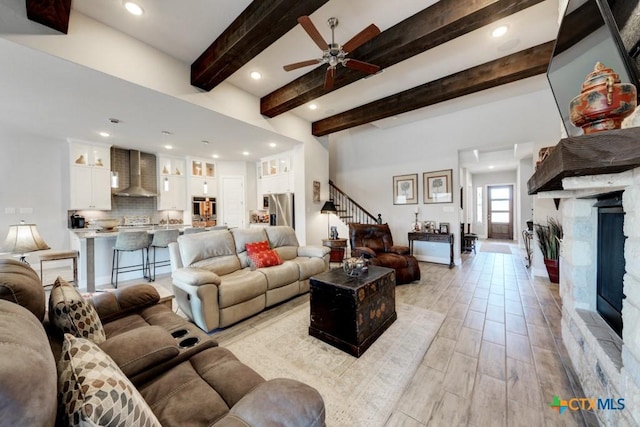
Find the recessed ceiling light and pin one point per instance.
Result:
(245, 153)
(491, 166)
(500, 31)
(133, 8)
(215, 156)
(255, 75)
(272, 144)
(168, 147)
(104, 134)
(313, 106)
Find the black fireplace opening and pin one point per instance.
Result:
(610, 259)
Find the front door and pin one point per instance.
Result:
(500, 212)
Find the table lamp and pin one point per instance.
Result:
(328, 208)
(23, 238)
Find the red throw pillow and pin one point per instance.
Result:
(255, 247)
(265, 258)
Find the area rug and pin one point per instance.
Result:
(357, 391)
(496, 248)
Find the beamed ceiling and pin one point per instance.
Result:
(264, 23)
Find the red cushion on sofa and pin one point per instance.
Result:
(256, 247)
(265, 258)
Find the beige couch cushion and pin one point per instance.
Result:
(213, 250)
(280, 275)
(281, 235)
(240, 286)
(309, 266)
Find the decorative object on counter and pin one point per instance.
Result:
(444, 228)
(165, 170)
(405, 189)
(106, 224)
(23, 238)
(549, 239)
(355, 267)
(437, 186)
(603, 102)
(81, 160)
(316, 191)
(77, 221)
(328, 208)
(115, 179)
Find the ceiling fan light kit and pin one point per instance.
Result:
(333, 53)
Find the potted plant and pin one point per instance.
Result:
(549, 238)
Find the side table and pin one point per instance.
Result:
(338, 248)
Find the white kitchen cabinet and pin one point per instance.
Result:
(90, 176)
(197, 187)
(90, 188)
(275, 174)
(172, 184)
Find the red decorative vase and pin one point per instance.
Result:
(603, 102)
(553, 269)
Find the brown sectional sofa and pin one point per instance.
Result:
(184, 377)
(215, 284)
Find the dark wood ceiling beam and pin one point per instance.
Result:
(258, 26)
(51, 13)
(433, 26)
(527, 63)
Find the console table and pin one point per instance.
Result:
(432, 237)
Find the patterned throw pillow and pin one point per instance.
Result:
(93, 391)
(266, 258)
(70, 313)
(256, 247)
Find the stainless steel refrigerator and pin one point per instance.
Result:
(281, 209)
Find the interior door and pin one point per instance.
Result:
(500, 212)
(233, 212)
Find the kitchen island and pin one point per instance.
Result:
(96, 254)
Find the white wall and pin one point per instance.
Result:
(525, 211)
(364, 160)
(34, 179)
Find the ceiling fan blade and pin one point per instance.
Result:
(362, 66)
(361, 38)
(328, 78)
(313, 32)
(300, 64)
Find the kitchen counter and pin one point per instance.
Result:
(96, 253)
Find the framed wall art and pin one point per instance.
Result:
(405, 189)
(437, 186)
(444, 228)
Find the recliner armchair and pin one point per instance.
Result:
(374, 242)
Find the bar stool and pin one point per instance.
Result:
(161, 239)
(130, 241)
(57, 256)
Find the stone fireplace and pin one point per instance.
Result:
(608, 366)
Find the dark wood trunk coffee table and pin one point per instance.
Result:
(350, 313)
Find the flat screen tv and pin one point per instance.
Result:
(592, 31)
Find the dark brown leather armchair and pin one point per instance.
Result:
(374, 242)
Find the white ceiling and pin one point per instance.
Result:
(82, 97)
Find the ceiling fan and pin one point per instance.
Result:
(334, 53)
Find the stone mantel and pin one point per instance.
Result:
(603, 153)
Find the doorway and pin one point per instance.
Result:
(500, 212)
(233, 211)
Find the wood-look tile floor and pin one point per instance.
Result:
(498, 358)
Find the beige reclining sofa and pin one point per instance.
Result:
(216, 284)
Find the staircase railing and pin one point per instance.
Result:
(349, 210)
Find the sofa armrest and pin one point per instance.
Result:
(140, 349)
(362, 251)
(313, 251)
(195, 276)
(280, 401)
(122, 302)
(400, 250)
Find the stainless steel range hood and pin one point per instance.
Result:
(135, 179)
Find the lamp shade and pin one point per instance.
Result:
(328, 207)
(23, 238)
